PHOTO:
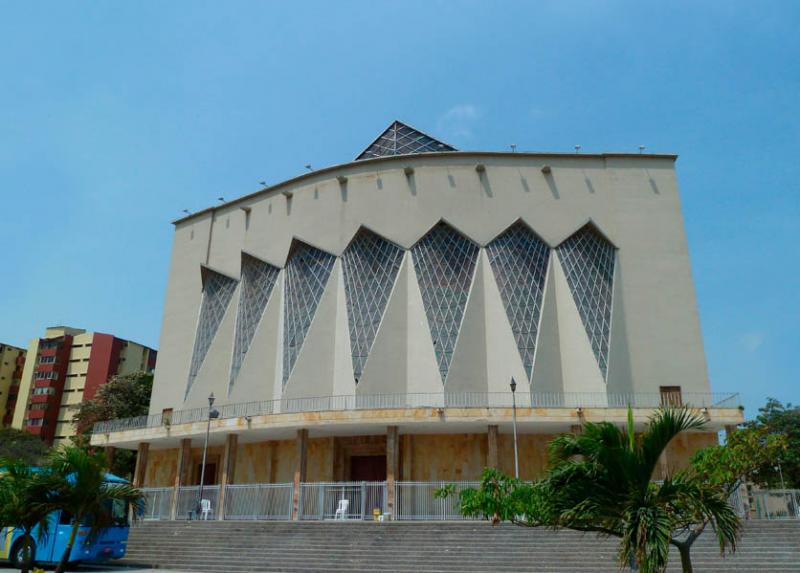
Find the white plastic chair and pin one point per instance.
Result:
(205, 508)
(341, 511)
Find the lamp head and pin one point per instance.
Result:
(513, 385)
(211, 399)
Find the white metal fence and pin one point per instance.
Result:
(416, 500)
(187, 507)
(157, 502)
(776, 504)
(353, 500)
(259, 501)
(737, 501)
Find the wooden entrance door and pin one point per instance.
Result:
(368, 468)
(210, 476)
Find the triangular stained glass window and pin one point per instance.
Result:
(217, 293)
(588, 262)
(519, 260)
(400, 139)
(258, 280)
(307, 274)
(445, 264)
(370, 266)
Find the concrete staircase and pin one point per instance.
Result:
(426, 547)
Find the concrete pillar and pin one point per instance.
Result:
(301, 449)
(109, 451)
(392, 467)
(181, 472)
(491, 450)
(140, 471)
(227, 470)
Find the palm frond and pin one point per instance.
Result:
(665, 425)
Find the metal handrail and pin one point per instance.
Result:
(420, 400)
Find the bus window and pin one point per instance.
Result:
(119, 512)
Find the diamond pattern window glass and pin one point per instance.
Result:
(400, 139)
(588, 261)
(217, 293)
(370, 265)
(445, 264)
(519, 261)
(307, 274)
(258, 280)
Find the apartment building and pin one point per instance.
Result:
(12, 360)
(65, 367)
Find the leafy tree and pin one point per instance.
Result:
(22, 446)
(779, 419)
(748, 455)
(77, 480)
(124, 396)
(600, 480)
(24, 505)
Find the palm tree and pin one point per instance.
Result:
(600, 480)
(24, 505)
(79, 479)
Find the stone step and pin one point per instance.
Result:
(427, 547)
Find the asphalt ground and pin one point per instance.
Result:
(103, 568)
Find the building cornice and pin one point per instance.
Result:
(360, 164)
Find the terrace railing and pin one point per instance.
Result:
(187, 501)
(429, 400)
(414, 501)
(322, 500)
(776, 504)
(267, 501)
(157, 502)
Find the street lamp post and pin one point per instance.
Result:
(514, 424)
(212, 414)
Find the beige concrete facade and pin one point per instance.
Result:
(422, 457)
(633, 200)
(640, 343)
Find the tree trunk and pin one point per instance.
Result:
(27, 555)
(62, 565)
(686, 557)
(25, 566)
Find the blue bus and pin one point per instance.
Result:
(109, 544)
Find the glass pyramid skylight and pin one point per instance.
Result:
(400, 139)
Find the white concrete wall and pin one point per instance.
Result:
(633, 200)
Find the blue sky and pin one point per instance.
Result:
(116, 116)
